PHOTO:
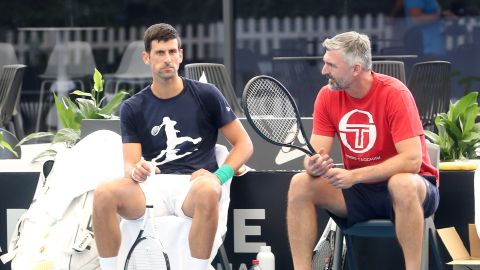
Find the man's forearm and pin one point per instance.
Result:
(401, 163)
(239, 154)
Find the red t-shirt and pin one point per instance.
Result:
(369, 127)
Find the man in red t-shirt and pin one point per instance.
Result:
(387, 171)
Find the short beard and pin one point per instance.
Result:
(167, 76)
(335, 85)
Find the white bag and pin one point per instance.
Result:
(56, 231)
(42, 242)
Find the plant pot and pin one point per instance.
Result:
(91, 125)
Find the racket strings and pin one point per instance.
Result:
(147, 255)
(272, 111)
(322, 259)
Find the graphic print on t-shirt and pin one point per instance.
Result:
(357, 131)
(170, 153)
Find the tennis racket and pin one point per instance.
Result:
(322, 257)
(147, 253)
(273, 114)
(323, 251)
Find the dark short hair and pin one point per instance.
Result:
(160, 32)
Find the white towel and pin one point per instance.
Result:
(95, 159)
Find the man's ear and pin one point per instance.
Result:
(180, 54)
(357, 68)
(146, 58)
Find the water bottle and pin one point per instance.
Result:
(266, 258)
(255, 265)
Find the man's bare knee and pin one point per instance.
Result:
(206, 194)
(299, 187)
(403, 189)
(103, 196)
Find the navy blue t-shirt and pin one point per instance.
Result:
(179, 133)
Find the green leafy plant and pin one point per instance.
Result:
(71, 112)
(458, 135)
(5, 145)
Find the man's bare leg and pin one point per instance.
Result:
(202, 205)
(109, 199)
(302, 230)
(408, 193)
(305, 193)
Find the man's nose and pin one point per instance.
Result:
(168, 58)
(324, 70)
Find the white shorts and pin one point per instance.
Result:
(167, 193)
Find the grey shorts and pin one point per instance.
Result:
(373, 201)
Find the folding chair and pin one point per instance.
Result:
(395, 69)
(216, 74)
(68, 64)
(7, 54)
(11, 80)
(430, 85)
(131, 71)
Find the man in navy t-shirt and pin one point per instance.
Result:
(171, 126)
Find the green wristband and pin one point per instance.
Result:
(224, 173)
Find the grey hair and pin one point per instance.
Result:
(354, 46)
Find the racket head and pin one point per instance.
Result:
(322, 257)
(147, 253)
(272, 112)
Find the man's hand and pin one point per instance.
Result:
(340, 178)
(318, 164)
(142, 170)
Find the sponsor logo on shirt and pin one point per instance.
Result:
(357, 131)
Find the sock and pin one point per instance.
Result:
(109, 263)
(198, 264)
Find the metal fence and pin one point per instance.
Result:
(205, 41)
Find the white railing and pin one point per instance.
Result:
(205, 41)
(270, 33)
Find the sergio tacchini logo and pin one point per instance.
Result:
(364, 134)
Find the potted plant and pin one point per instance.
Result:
(457, 133)
(458, 136)
(71, 112)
